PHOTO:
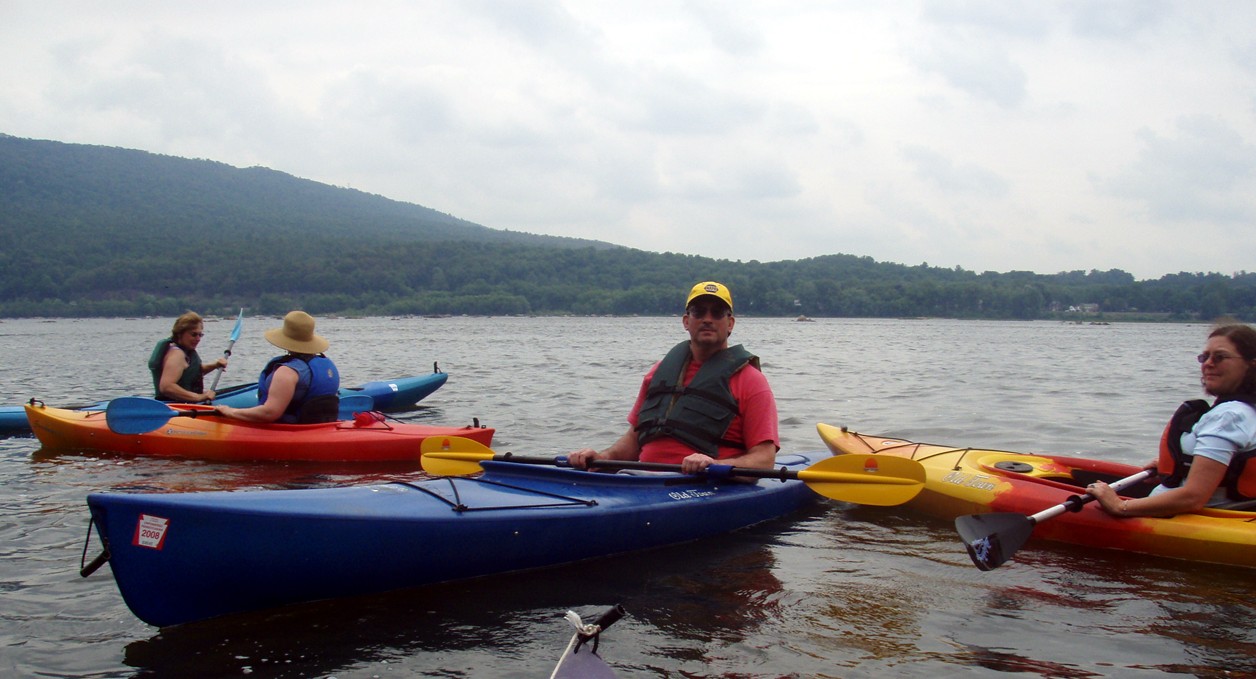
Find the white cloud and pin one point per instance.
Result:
(1205, 174)
(989, 135)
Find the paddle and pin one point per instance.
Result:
(586, 664)
(235, 335)
(861, 479)
(139, 415)
(992, 539)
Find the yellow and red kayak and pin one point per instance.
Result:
(962, 481)
(206, 436)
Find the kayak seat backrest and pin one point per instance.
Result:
(320, 409)
(1240, 506)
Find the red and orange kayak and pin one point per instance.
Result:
(210, 437)
(961, 481)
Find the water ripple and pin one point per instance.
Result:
(834, 591)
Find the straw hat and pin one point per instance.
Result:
(297, 335)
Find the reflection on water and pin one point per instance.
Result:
(834, 591)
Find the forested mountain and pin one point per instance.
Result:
(85, 231)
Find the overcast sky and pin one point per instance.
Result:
(993, 136)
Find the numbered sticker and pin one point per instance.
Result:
(150, 531)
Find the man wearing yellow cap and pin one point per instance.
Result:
(706, 405)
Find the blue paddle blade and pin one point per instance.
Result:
(136, 414)
(357, 403)
(235, 335)
(235, 332)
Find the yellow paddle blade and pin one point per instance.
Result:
(453, 455)
(881, 480)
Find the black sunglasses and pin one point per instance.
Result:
(717, 312)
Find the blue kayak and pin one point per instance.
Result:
(181, 557)
(392, 395)
(389, 395)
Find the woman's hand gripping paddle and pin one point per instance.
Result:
(992, 539)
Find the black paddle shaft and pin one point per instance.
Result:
(784, 474)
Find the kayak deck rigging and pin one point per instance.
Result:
(1013, 464)
(459, 506)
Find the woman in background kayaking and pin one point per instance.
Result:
(1206, 451)
(178, 374)
(298, 387)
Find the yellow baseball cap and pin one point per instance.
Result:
(713, 289)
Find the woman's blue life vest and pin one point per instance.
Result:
(315, 397)
(697, 414)
(192, 378)
(1174, 463)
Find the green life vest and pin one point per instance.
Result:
(697, 414)
(192, 378)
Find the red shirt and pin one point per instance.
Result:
(754, 423)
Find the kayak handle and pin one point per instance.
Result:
(96, 563)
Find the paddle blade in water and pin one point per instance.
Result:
(992, 539)
(882, 480)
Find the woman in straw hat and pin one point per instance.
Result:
(298, 387)
(178, 374)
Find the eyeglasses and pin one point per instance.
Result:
(1214, 356)
(717, 312)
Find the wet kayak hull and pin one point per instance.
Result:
(389, 395)
(179, 557)
(210, 437)
(962, 481)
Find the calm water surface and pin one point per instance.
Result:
(835, 591)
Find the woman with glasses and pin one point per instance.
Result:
(178, 374)
(706, 405)
(1206, 451)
